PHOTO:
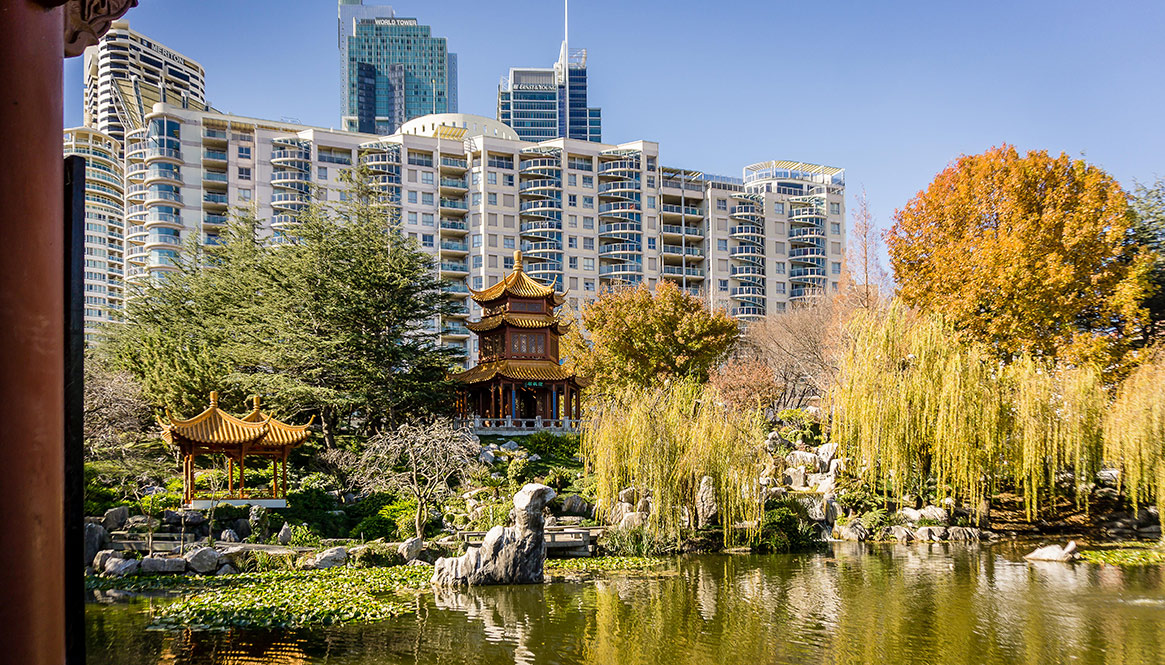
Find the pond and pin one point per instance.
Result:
(853, 603)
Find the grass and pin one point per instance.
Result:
(1127, 554)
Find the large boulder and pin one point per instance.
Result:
(628, 495)
(229, 536)
(899, 533)
(619, 511)
(963, 534)
(934, 513)
(633, 520)
(854, 531)
(1054, 553)
(486, 457)
(910, 515)
(157, 565)
(103, 557)
(96, 539)
(192, 518)
(707, 511)
(931, 534)
(122, 567)
(202, 560)
(803, 458)
(507, 555)
(574, 504)
(242, 527)
(836, 466)
(284, 536)
(510, 445)
(826, 453)
(410, 548)
(331, 557)
(115, 518)
(795, 477)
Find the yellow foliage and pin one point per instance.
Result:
(1135, 431)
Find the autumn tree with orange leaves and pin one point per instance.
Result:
(638, 336)
(1030, 254)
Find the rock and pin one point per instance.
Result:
(192, 518)
(825, 453)
(96, 540)
(331, 557)
(141, 522)
(803, 458)
(899, 533)
(837, 466)
(103, 557)
(1108, 477)
(551, 521)
(910, 515)
(574, 504)
(854, 531)
(629, 495)
(508, 555)
(795, 477)
(934, 513)
(830, 510)
(493, 446)
(707, 511)
(633, 521)
(931, 534)
(202, 560)
(227, 569)
(474, 492)
(150, 490)
(619, 511)
(534, 457)
(419, 562)
(122, 567)
(776, 493)
(486, 457)
(510, 445)
(821, 482)
(410, 548)
(241, 527)
(644, 506)
(284, 536)
(115, 518)
(1054, 553)
(156, 565)
(229, 536)
(963, 534)
(572, 520)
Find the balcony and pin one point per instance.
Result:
(748, 271)
(628, 167)
(807, 252)
(747, 230)
(450, 183)
(619, 229)
(796, 273)
(539, 184)
(158, 217)
(454, 204)
(543, 165)
(214, 134)
(214, 155)
(621, 269)
(454, 246)
(621, 249)
(546, 246)
(454, 225)
(455, 330)
(155, 196)
(748, 312)
(747, 252)
(533, 227)
(291, 155)
(454, 267)
(683, 272)
(807, 232)
(540, 205)
(156, 152)
(680, 210)
(214, 176)
(454, 163)
(679, 230)
(678, 250)
(212, 197)
(214, 219)
(456, 287)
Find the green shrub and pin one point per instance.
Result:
(394, 521)
(800, 426)
(874, 519)
(376, 555)
(548, 444)
(99, 497)
(559, 478)
(318, 481)
(317, 509)
(786, 528)
(490, 514)
(519, 472)
(302, 536)
(634, 541)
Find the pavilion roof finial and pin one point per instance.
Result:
(214, 398)
(517, 260)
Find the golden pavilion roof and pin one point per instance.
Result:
(517, 370)
(215, 427)
(518, 320)
(517, 284)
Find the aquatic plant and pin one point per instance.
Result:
(664, 439)
(1128, 554)
(604, 563)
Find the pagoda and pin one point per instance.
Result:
(519, 381)
(216, 432)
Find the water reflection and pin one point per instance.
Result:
(858, 603)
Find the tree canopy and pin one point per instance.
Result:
(1030, 254)
(332, 321)
(638, 336)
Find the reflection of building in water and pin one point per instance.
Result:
(238, 648)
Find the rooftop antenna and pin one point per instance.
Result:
(566, 63)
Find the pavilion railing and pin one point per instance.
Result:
(508, 425)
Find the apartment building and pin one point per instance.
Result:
(126, 73)
(392, 69)
(104, 216)
(587, 216)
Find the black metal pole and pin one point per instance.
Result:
(74, 249)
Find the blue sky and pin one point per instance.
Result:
(891, 91)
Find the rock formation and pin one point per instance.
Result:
(508, 555)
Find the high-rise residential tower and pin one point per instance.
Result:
(551, 102)
(392, 69)
(126, 73)
(104, 220)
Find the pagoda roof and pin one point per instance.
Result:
(278, 433)
(517, 370)
(518, 320)
(517, 284)
(215, 427)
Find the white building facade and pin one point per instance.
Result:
(587, 216)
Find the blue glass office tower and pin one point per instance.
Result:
(548, 103)
(392, 69)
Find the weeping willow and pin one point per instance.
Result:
(1135, 432)
(914, 403)
(665, 439)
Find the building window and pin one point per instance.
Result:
(651, 243)
(835, 208)
(588, 284)
(321, 172)
(588, 243)
(412, 197)
(412, 218)
(476, 199)
(778, 268)
(426, 239)
(835, 268)
(588, 264)
(508, 262)
(476, 240)
(723, 285)
(588, 222)
(491, 177)
(244, 152)
(572, 180)
(779, 208)
(508, 179)
(492, 199)
(721, 204)
(722, 244)
(779, 287)
(588, 202)
(572, 221)
(426, 177)
(477, 260)
(572, 200)
(651, 181)
(427, 219)
(779, 248)
(244, 173)
(475, 179)
(477, 283)
(244, 195)
(571, 242)
(508, 242)
(835, 228)
(493, 241)
(427, 198)
(589, 182)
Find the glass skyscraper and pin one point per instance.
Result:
(548, 103)
(392, 69)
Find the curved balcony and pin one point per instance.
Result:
(628, 230)
(619, 187)
(542, 247)
(286, 178)
(154, 175)
(544, 166)
(801, 292)
(806, 216)
(627, 168)
(628, 269)
(136, 235)
(541, 205)
(807, 233)
(747, 252)
(172, 155)
(747, 212)
(154, 197)
(747, 232)
(748, 312)
(540, 226)
(386, 179)
(807, 253)
(540, 186)
(802, 273)
(377, 159)
(157, 218)
(137, 256)
(162, 241)
(621, 250)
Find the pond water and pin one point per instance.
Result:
(854, 603)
